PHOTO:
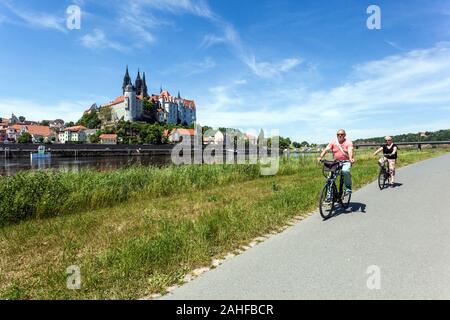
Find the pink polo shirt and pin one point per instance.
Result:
(337, 153)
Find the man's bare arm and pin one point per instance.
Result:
(350, 154)
(323, 153)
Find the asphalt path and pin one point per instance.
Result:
(390, 244)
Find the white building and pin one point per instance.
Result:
(73, 134)
(108, 138)
(176, 135)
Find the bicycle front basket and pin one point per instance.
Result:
(330, 166)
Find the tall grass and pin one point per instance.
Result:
(48, 193)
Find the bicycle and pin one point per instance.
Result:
(384, 174)
(330, 195)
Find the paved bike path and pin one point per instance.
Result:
(404, 231)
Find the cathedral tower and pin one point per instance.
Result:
(126, 81)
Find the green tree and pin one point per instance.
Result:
(148, 105)
(22, 119)
(24, 138)
(90, 120)
(283, 143)
(95, 138)
(205, 128)
(45, 123)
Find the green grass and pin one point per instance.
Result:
(150, 242)
(41, 194)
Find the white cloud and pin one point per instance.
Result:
(210, 40)
(231, 37)
(32, 110)
(199, 8)
(190, 68)
(3, 18)
(396, 87)
(38, 19)
(144, 23)
(98, 39)
(269, 70)
(395, 45)
(205, 64)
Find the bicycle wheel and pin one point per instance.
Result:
(327, 200)
(382, 179)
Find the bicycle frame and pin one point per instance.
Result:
(385, 166)
(332, 180)
(330, 194)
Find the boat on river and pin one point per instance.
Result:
(41, 154)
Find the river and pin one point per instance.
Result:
(11, 166)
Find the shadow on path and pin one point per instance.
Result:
(395, 185)
(354, 207)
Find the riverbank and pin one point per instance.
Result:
(23, 150)
(143, 245)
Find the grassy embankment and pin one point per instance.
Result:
(136, 231)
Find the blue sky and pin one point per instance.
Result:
(304, 67)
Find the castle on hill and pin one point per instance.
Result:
(135, 104)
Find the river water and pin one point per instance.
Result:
(13, 166)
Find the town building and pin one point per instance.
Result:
(56, 125)
(38, 133)
(3, 135)
(176, 135)
(251, 138)
(74, 134)
(108, 138)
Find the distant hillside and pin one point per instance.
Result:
(441, 135)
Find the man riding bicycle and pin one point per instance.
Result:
(342, 151)
(390, 155)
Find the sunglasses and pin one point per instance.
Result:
(340, 134)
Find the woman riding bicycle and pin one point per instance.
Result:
(390, 155)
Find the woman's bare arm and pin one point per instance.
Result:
(378, 151)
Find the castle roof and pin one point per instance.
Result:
(108, 136)
(75, 128)
(181, 132)
(189, 103)
(165, 94)
(34, 129)
(118, 100)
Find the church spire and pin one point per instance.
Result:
(179, 96)
(144, 86)
(126, 80)
(138, 83)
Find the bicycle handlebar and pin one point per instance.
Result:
(335, 161)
